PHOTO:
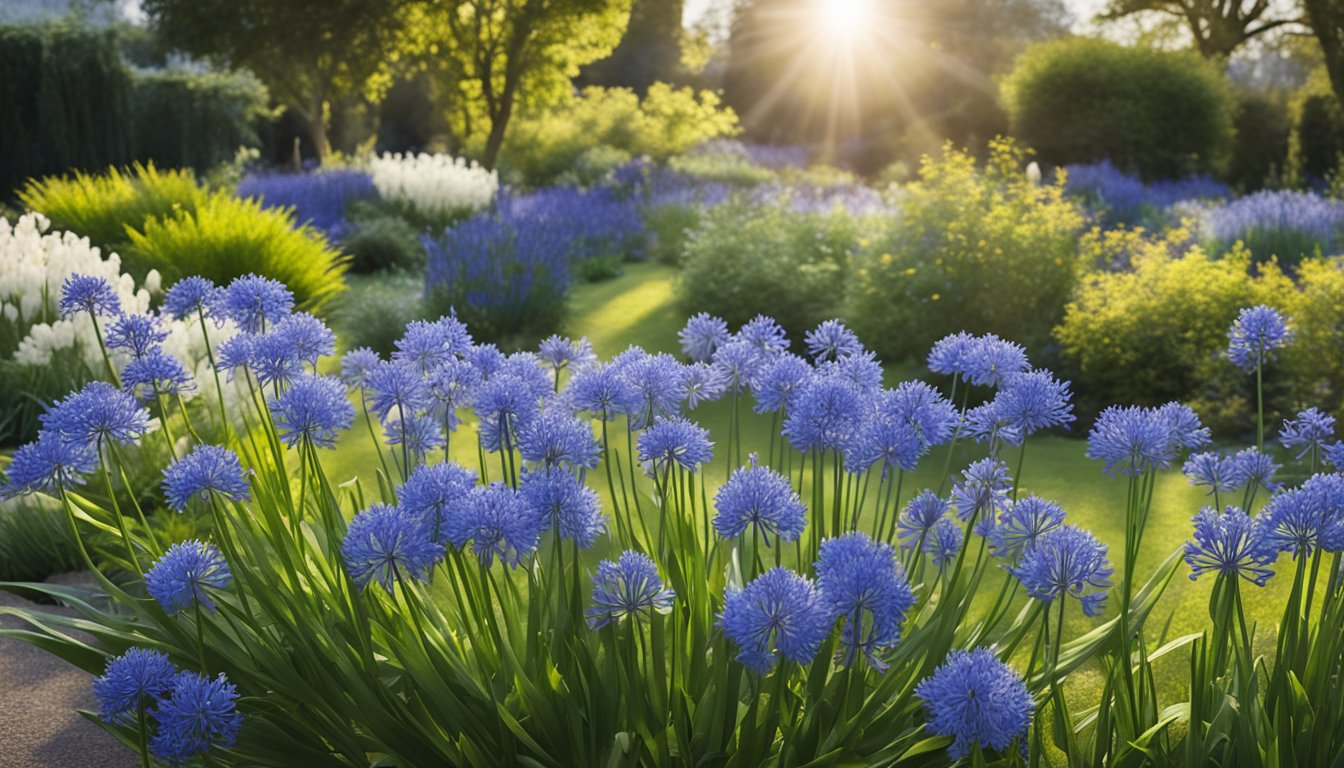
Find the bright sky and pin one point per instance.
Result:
(1083, 11)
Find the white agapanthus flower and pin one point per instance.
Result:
(433, 184)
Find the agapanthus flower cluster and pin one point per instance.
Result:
(1066, 561)
(675, 441)
(1301, 520)
(976, 700)
(388, 544)
(982, 492)
(498, 522)
(1022, 525)
(779, 613)
(1257, 332)
(702, 336)
(917, 521)
(761, 500)
(867, 589)
(832, 341)
(1227, 544)
(1311, 431)
(186, 575)
(1132, 440)
(565, 503)
(630, 588)
(209, 471)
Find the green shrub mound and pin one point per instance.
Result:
(103, 206)
(1158, 113)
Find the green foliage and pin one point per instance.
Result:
(1158, 113)
(723, 167)
(66, 99)
(1260, 150)
(649, 51)
(667, 121)
(745, 259)
(1314, 363)
(35, 541)
(1317, 140)
(225, 237)
(195, 120)
(593, 165)
(101, 207)
(976, 249)
(670, 225)
(376, 309)
(383, 243)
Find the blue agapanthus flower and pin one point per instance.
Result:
(1212, 470)
(234, 353)
(983, 492)
(825, 414)
(555, 438)
(1182, 423)
(778, 613)
(1022, 525)
(1035, 400)
(308, 338)
(1254, 468)
(564, 502)
(452, 386)
(48, 465)
(207, 471)
(976, 700)
(757, 498)
(133, 683)
(356, 365)
(777, 381)
(504, 403)
(929, 414)
(949, 354)
(420, 433)
(865, 587)
(944, 542)
(157, 374)
(387, 544)
(191, 297)
(561, 353)
(485, 358)
(702, 335)
(396, 388)
(766, 335)
(498, 523)
(741, 364)
(426, 345)
(629, 587)
(255, 302)
(434, 493)
(1300, 520)
(985, 423)
(602, 391)
(916, 521)
(677, 441)
(182, 578)
(137, 334)
(860, 369)
(200, 715)
(313, 408)
(1254, 336)
(88, 293)
(989, 360)
(96, 414)
(1132, 440)
(700, 383)
(831, 341)
(1310, 430)
(658, 380)
(1066, 561)
(1227, 544)
(529, 369)
(877, 440)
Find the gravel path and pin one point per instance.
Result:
(39, 693)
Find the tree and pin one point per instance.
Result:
(309, 53)
(1218, 27)
(1326, 18)
(649, 52)
(498, 54)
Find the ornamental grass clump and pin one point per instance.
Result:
(539, 573)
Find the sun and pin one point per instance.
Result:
(845, 18)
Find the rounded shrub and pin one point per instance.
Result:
(1158, 113)
(383, 243)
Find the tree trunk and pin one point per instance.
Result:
(1327, 23)
(317, 134)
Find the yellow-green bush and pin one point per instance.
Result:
(1315, 361)
(544, 145)
(225, 237)
(980, 249)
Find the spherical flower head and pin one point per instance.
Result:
(419, 432)
(603, 392)
(485, 358)
(136, 334)
(157, 374)
(983, 491)
(675, 441)
(701, 383)
(1211, 470)
(831, 341)
(766, 335)
(867, 589)
(560, 352)
(1310, 430)
(434, 493)
(396, 388)
(990, 360)
(48, 465)
(191, 297)
(825, 414)
(387, 544)
(233, 353)
(1132, 440)
(1251, 467)
(920, 515)
(950, 353)
(555, 438)
(1301, 519)
(1182, 423)
(529, 368)
(182, 578)
(498, 523)
(1254, 336)
(741, 363)
(986, 423)
(1227, 545)
(309, 339)
(757, 498)
(357, 364)
(932, 417)
(1032, 401)
(504, 403)
(658, 379)
(777, 381)
(201, 714)
(133, 683)
(207, 471)
(944, 542)
(1022, 525)
(702, 335)
(254, 302)
(1066, 561)
(977, 701)
(88, 293)
(314, 408)
(778, 614)
(628, 587)
(426, 345)
(861, 369)
(563, 501)
(99, 413)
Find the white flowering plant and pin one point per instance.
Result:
(434, 187)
